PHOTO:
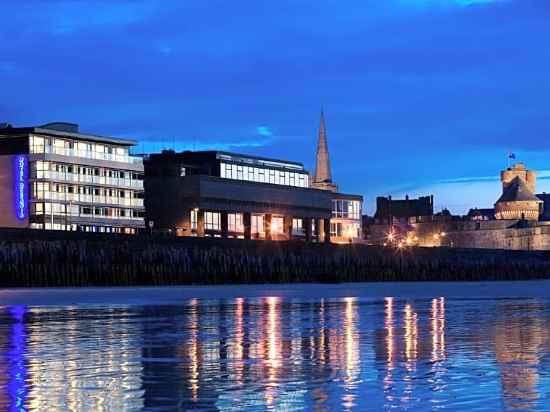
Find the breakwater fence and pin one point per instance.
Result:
(31, 258)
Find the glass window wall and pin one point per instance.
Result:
(263, 175)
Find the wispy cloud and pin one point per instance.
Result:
(180, 146)
(264, 131)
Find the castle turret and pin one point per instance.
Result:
(518, 200)
(323, 175)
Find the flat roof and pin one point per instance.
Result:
(19, 131)
(235, 157)
(346, 196)
(268, 159)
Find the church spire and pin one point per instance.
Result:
(323, 175)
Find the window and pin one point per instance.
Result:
(347, 209)
(346, 230)
(212, 221)
(297, 227)
(194, 219)
(277, 225)
(257, 226)
(38, 144)
(235, 222)
(263, 175)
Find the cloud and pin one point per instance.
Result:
(264, 131)
(150, 146)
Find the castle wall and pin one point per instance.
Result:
(529, 238)
(492, 234)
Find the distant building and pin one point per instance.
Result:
(481, 214)
(222, 194)
(394, 218)
(55, 177)
(389, 210)
(518, 200)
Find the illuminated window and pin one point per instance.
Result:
(297, 227)
(277, 225)
(347, 209)
(212, 221)
(235, 222)
(194, 219)
(257, 226)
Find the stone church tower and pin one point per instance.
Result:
(518, 200)
(323, 175)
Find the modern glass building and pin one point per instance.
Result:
(346, 221)
(54, 177)
(223, 194)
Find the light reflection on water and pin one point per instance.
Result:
(278, 354)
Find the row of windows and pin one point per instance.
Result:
(83, 228)
(261, 162)
(235, 224)
(44, 166)
(257, 174)
(65, 147)
(45, 187)
(88, 194)
(83, 174)
(346, 209)
(84, 211)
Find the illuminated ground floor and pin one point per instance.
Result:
(249, 225)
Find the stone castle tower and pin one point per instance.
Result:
(323, 176)
(518, 200)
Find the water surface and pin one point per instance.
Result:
(418, 347)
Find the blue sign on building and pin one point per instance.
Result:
(21, 193)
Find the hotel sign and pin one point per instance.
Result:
(21, 193)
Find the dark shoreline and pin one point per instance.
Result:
(30, 258)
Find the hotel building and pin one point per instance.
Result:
(54, 177)
(221, 194)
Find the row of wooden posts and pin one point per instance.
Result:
(139, 261)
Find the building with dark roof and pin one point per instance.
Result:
(389, 210)
(216, 193)
(55, 177)
(225, 194)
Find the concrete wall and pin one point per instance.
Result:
(168, 200)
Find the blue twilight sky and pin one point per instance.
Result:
(420, 96)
